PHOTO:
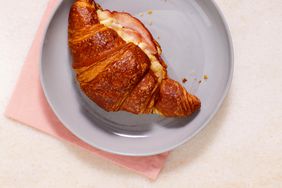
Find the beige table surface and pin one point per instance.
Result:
(241, 147)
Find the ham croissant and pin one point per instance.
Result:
(118, 64)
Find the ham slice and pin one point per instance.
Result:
(133, 26)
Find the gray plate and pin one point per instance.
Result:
(195, 42)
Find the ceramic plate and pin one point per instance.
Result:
(195, 42)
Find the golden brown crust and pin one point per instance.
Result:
(112, 86)
(92, 44)
(174, 100)
(99, 64)
(82, 14)
(116, 75)
(138, 100)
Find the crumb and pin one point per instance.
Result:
(141, 14)
(149, 12)
(184, 80)
(158, 37)
(206, 77)
(200, 81)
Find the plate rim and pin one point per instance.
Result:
(160, 151)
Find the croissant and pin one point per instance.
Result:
(118, 64)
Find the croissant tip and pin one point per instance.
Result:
(197, 103)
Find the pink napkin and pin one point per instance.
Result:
(29, 106)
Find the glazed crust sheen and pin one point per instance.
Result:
(116, 75)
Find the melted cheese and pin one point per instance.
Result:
(106, 19)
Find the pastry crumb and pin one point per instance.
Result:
(158, 37)
(141, 14)
(200, 81)
(149, 12)
(184, 80)
(206, 77)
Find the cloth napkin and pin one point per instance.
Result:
(29, 106)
